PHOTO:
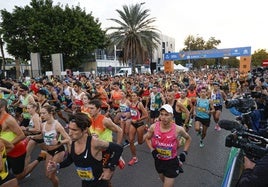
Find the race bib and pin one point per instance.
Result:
(201, 109)
(133, 112)
(85, 173)
(165, 152)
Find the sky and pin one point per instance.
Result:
(237, 23)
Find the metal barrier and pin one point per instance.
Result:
(233, 169)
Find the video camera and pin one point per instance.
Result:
(254, 145)
(243, 104)
(259, 71)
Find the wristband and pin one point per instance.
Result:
(58, 166)
(110, 166)
(59, 142)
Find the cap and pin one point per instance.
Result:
(216, 83)
(167, 108)
(42, 92)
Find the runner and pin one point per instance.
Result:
(86, 154)
(55, 139)
(162, 139)
(11, 132)
(6, 178)
(136, 125)
(202, 112)
(102, 127)
(218, 97)
(157, 99)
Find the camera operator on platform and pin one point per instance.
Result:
(254, 174)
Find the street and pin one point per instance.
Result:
(204, 167)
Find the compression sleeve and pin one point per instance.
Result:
(115, 151)
(66, 162)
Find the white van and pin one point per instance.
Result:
(125, 71)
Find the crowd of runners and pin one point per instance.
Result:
(88, 121)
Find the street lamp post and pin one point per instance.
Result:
(189, 60)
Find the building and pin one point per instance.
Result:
(108, 64)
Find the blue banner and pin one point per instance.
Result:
(212, 53)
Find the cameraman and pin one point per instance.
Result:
(254, 174)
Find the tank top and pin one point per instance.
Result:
(165, 142)
(192, 96)
(135, 112)
(145, 93)
(87, 167)
(217, 98)
(177, 115)
(50, 135)
(85, 110)
(4, 172)
(78, 98)
(19, 148)
(31, 124)
(184, 103)
(116, 96)
(98, 129)
(156, 101)
(124, 107)
(102, 97)
(202, 108)
(25, 102)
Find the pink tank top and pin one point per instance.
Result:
(165, 142)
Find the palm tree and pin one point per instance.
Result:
(134, 34)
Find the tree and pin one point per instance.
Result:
(258, 57)
(193, 43)
(47, 29)
(134, 34)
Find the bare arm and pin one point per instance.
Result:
(181, 131)
(2, 147)
(163, 98)
(143, 111)
(37, 124)
(223, 95)
(5, 89)
(9, 146)
(108, 123)
(67, 139)
(184, 110)
(13, 126)
(212, 109)
(148, 137)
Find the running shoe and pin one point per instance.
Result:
(125, 144)
(199, 133)
(27, 176)
(217, 127)
(201, 145)
(121, 163)
(42, 156)
(133, 161)
(190, 122)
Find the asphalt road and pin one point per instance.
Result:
(204, 167)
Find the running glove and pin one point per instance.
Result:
(183, 156)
